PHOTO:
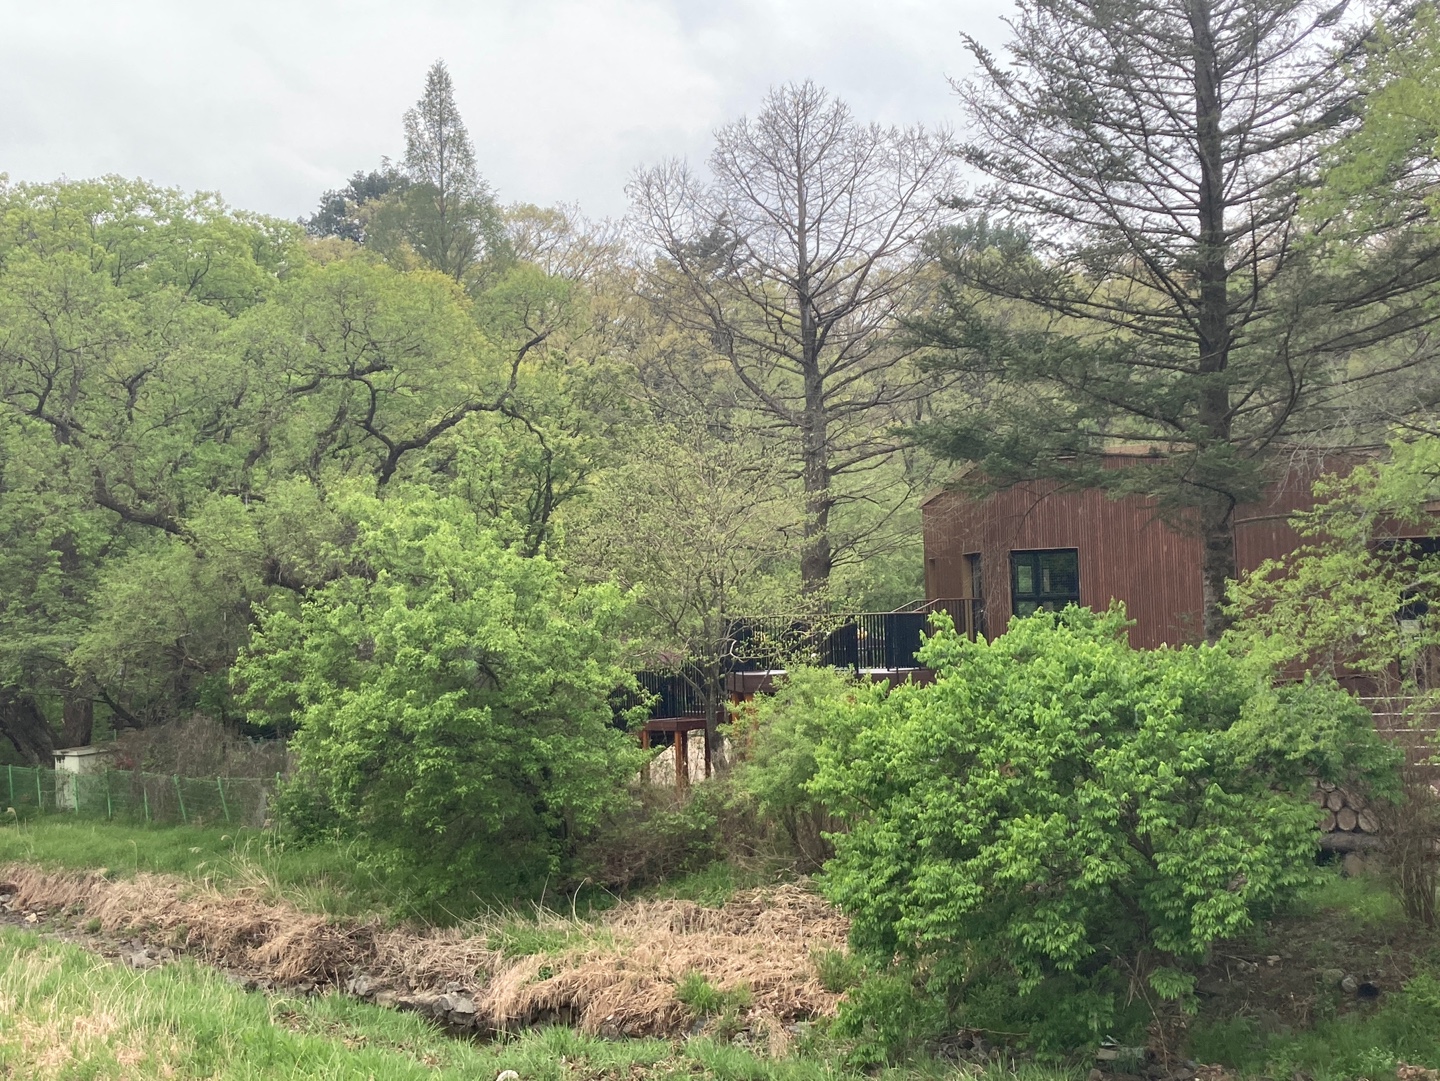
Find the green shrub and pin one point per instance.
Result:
(889, 1016)
(1066, 815)
(837, 970)
(650, 834)
(450, 697)
(777, 761)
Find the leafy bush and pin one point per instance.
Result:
(1061, 813)
(650, 834)
(888, 1016)
(451, 699)
(777, 760)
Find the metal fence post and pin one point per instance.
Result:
(145, 795)
(181, 797)
(39, 795)
(11, 770)
(220, 784)
(109, 807)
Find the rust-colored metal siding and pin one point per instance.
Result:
(1125, 551)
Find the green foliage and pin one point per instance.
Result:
(1062, 812)
(712, 885)
(704, 998)
(1378, 172)
(1335, 603)
(623, 852)
(224, 387)
(451, 698)
(838, 970)
(888, 1017)
(778, 760)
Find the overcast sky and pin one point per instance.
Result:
(272, 102)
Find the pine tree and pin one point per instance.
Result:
(1148, 277)
(451, 215)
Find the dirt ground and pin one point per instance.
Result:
(1292, 971)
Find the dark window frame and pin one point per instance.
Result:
(1037, 597)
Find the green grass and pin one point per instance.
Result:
(542, 933)
(713, 886)
(1403, 1028)
(321, 877)
(1363, 899)
(1338, 917)
(70, 1015)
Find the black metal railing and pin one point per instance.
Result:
(860, 642)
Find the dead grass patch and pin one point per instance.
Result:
(619, 976)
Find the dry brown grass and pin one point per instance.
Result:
(619, 975)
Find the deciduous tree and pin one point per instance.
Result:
(797, 260)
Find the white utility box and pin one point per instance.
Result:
(71, 764)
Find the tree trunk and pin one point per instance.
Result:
(714, 706)
(817, 557)
(24, 726)
(1213, 321)
(78, 726)
(1217, 569)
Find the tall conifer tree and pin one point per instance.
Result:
(452, 215)
(1147, 277)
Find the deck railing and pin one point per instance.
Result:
(858, 641)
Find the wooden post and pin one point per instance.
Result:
(645, 746)
(707, 755)
(682, 777)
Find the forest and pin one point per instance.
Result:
(399, 498)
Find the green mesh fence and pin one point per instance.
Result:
(133, 796)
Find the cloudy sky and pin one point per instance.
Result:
(272, 102)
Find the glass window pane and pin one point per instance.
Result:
(1044, 580)
(1061, 573)
(1024, 578)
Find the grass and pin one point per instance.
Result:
(1404, 1028)
(1361, 898)
(78, 1017)
(517, 935)
(713, 886)
(70, 1015)
(1344, 924)
(322, 877)
(73, 1015)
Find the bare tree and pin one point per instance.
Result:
(798, 259)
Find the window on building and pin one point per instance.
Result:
(1044, 579)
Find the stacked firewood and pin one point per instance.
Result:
(1346, 812)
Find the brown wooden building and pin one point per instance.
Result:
(1037, 545)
